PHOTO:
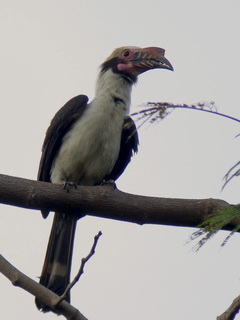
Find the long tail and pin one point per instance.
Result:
(57, 265)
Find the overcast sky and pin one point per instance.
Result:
(50, 52)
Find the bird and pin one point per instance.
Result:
(88, 143)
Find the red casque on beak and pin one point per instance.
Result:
(150, 58)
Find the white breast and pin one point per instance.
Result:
(91, 148)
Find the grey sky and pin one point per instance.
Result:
(50, 52)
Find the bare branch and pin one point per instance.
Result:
(232, 311)
(107, 202)
(45, 295)
(81, 269)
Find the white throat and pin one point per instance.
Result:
(110, 85)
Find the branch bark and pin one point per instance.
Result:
(48, 297)
(108, 202)
(232, 311)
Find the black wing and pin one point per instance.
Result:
(60, 125)
(129, 145)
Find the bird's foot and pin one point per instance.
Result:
(110, 183)
(68, 185)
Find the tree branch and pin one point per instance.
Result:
(232, 311)
(107, 202)
(45, 295)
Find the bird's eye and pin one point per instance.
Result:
(126, 53)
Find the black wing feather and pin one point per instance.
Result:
(128, 146)
(60, 125)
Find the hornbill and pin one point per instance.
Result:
(87, 143)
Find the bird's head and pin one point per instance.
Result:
(132, 61)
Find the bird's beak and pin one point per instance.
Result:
(150, 58)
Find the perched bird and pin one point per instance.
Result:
(87, 143)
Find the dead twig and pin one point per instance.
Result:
(81, 269)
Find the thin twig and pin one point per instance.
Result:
(206, 110)
(227, 176)
(81, 269)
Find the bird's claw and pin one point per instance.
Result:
(110, 183)
(68, 185)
